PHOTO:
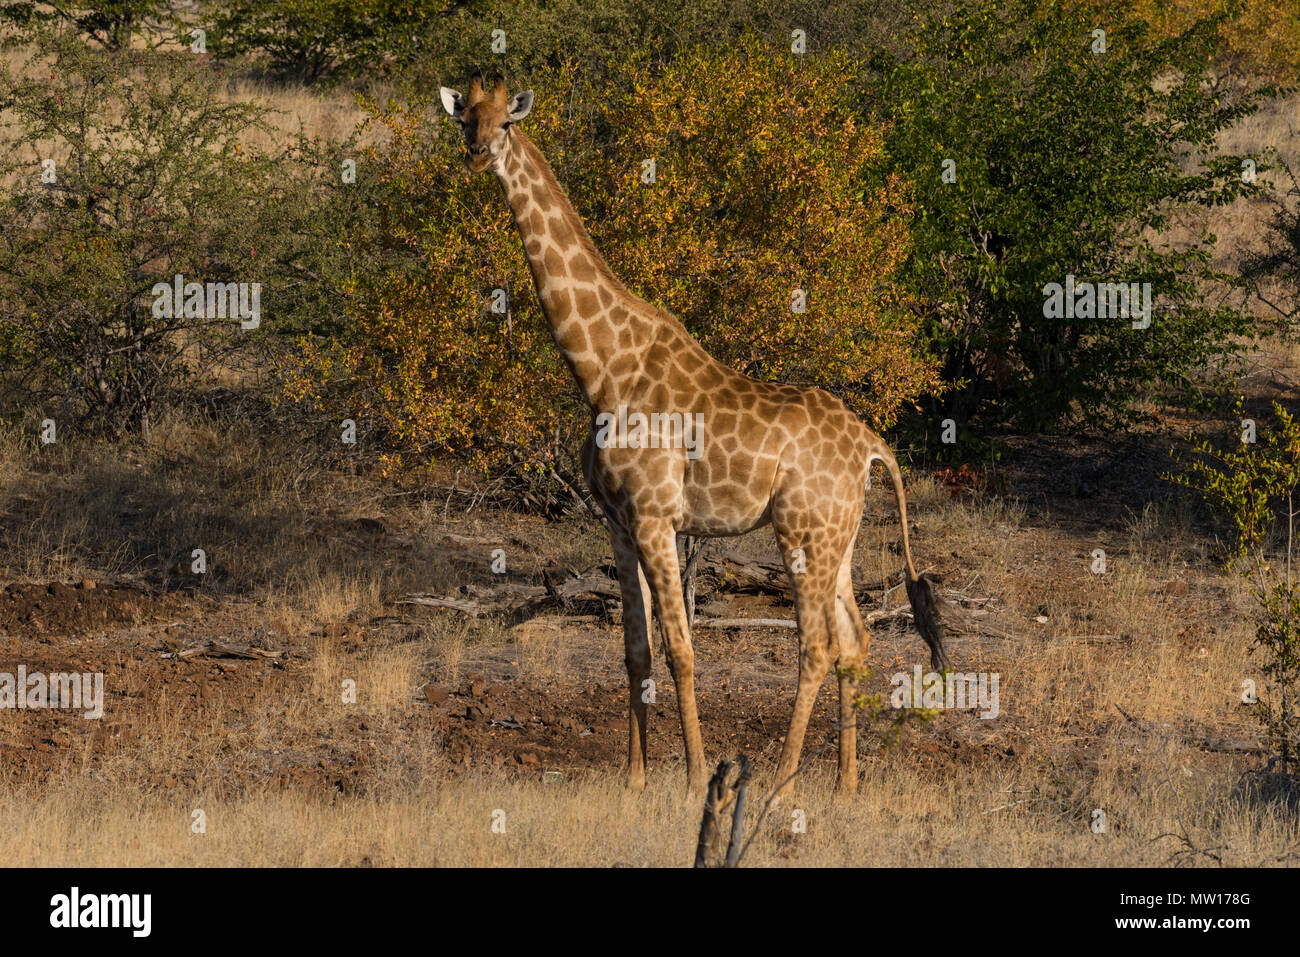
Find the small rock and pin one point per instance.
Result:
(436, 694)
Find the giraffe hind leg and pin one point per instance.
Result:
(854, 641)
(820, 546)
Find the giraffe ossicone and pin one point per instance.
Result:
(795, 458)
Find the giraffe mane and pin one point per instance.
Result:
(572, 219)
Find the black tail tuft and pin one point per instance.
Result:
(925, 613)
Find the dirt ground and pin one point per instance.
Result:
(296, 684)
(492, 717)
(490, 713)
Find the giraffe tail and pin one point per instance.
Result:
(925, 609)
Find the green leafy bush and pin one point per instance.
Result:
(308, 39)
(1065, 161)
(419, 43)
(1257, 488)
(111, 25)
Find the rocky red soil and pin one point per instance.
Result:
(491, 719)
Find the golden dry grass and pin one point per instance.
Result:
(1172, 659)
(1161, 809)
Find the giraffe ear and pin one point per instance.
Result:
(452, 102)
(519, 106)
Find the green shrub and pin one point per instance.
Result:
(111, 25)
(1256, 486)
(419, 43)
(1067, 162)
(308, 39)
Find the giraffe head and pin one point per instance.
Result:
(485, 119)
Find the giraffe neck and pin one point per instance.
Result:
(585, 304)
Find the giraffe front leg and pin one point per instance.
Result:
(657, 545)
(636, 642)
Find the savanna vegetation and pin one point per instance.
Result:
(915, 176)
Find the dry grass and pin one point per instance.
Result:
(1160, 809)
(1171, 658)
(137, 510)
(1276, 127)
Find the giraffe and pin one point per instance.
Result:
(795, 458)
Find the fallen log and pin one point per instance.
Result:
(517, 598)
(902, 611)
(564, 586)
(735, 573)
(722, 623)
(220, 649)
(729, 569)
